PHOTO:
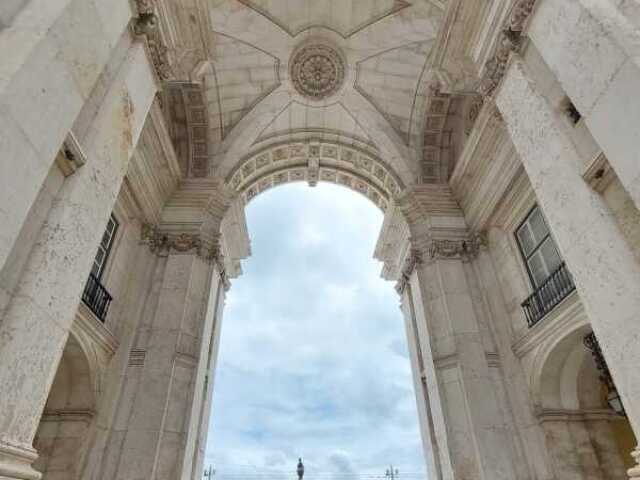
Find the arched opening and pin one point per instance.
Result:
(313, 359)
(584, 434)
(62, 437)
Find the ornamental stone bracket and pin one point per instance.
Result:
(413, 259)
(146, 25)
(164, 244)
(511, 39)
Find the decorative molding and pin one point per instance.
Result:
(313, 161)
(444, 249)
(316, 70)
(146, 25)
(413, 259)
(164, 244)
(509, 40)
(96, 341)
(565, 415)
(85, 416)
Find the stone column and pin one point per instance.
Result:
(425, 417)
(206, 406)
(203, 388)
(593, 49)
(53, 54)
(172, 349)
(36, 324)
(603, 265)
(531, 442)
(469, 429)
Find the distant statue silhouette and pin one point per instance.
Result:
(300, 469)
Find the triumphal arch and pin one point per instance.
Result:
(499, 138)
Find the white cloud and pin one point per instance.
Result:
(313, 358)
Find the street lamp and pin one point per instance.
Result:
(391, 474)
(613, 397)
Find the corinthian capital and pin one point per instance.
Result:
(165, 243)
(413, 258)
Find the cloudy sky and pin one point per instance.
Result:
(313, 359)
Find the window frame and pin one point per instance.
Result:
(107, 251)
(523, 256)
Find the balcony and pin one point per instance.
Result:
(554, 289)
(96, 297)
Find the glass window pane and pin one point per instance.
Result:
(538, 269)
(538, 225)
(525, 239)
(550, 254)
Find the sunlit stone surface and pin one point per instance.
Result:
(499, 138)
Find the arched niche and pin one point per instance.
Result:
(62, 436)
(583, 434)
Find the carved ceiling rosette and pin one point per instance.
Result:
(317, 70)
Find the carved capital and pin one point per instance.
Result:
(509, 40)
(413, 258)
(447, 249)
(146, 24)
(165, 243)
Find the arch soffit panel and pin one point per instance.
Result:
(313, 161)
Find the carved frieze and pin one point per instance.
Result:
(146, 24)
(465, 249)
(509, 40)
(164, 244)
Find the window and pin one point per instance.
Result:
(538, 248)
(105, 246)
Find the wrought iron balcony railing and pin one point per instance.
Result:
(554, 289)
(96, 297)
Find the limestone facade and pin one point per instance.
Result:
(498, 137)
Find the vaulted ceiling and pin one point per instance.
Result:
(239, 51)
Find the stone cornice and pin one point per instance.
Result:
(566, 415)
(509, 40)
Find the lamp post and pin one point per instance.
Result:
(209, 473)
(391, 474)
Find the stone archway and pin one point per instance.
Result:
(584, 436)
(61, 439)
(313, 161)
